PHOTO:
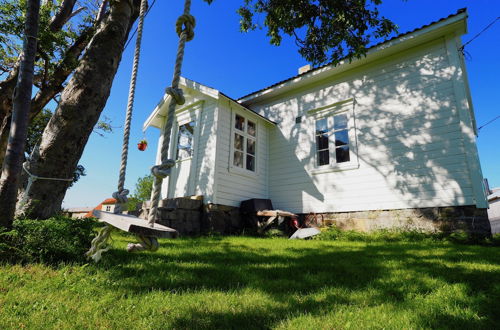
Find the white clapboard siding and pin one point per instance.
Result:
(201, 174)
(204, 174)
(410, 148)
(231, 186)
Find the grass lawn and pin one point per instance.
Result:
(241, 282)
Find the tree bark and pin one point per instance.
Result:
(81, 104)
(53, 87)
(7, 86)
(22, 100)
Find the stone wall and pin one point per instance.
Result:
(190, 217)
(435, 219)
(221, 219)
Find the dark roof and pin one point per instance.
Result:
(246, 108)
(460, 11)
(230, 98)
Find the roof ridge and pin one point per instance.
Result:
(459, 11)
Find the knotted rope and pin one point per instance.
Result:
(185, 30)
(99, 244)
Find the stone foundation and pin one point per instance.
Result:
(434, 219)
(190, 217)
(221, 219)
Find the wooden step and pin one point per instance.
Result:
(135, 225)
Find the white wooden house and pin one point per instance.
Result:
(392, 130)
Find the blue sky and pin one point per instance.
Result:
(237, 63)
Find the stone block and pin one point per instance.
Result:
(431, 219)
(185, 203)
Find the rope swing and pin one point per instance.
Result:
(185, 30)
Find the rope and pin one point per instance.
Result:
(121, 194)
(185, 30)
(99, 244)
(32, 178)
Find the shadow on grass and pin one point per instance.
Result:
(295, 276)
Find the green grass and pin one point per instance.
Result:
(241, 282)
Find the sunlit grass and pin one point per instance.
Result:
(241, 282)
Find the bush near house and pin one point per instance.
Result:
(50, 241)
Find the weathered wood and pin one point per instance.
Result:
(135, 225)
(264, 225)
(275, 213)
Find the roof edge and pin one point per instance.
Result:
(331, 69)
(203, 89)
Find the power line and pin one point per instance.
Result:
(477, 35)
(489, 122)
(135, 31)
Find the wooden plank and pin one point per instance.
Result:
(275, 213)
(135, 225)
(266, 224)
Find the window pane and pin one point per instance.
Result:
(238, 159)
(238, 142)
(239, 123)
(321, 126)
(251, 146)
(323, 157)
(341, 138)
(342, 154)
(321, 142)
(251, 128)
(340, 121)
(250, 163)
(185, 140)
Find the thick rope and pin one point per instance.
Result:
(185, 29)
(130, 107)
(99, 244)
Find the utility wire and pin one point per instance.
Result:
(477, 35)
(135, 31)
(489, 122)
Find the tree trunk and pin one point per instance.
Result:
(22, 100)
(81, 104)
(54, 87)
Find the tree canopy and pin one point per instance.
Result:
(324, 30)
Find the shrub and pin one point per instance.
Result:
(50, 241)
(382, 235)
(395, 235)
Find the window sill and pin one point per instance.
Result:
(334, 168)
(242, 172)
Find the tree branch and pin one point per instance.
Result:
(55, 84)
(62, 16)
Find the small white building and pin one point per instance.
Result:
(494, 210)
(393, 130)
(78, 212)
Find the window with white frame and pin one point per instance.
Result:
(185, 140)
(333, 139)
(108, 208)
(244, 143)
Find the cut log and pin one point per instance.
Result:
(135, 225)
(275, 213)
